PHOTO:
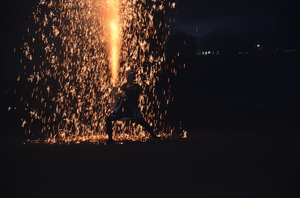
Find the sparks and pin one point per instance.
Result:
(78, 51)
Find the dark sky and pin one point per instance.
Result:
(225, 23)
(221, 24)
(14, 23)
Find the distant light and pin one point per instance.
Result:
(258, 45)
(206, 53)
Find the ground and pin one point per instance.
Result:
(242, 155)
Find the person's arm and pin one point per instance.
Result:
(123, 90)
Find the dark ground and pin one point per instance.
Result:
(229, 153)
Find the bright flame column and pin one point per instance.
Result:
(114, 38)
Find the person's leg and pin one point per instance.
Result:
(146, 126)
(108, 126)
(109, 120)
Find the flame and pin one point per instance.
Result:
(112, 23)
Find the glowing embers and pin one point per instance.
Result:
(70, 51)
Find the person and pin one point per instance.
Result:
(127, 109)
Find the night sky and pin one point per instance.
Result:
(222, 24)
(217, 25)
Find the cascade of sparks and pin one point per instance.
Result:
(77, 52)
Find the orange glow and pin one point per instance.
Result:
(83, 43)
(109, 16)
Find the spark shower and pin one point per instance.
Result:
(77, 51)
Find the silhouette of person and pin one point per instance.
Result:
(127, 109)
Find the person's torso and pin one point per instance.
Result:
(131, 98)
